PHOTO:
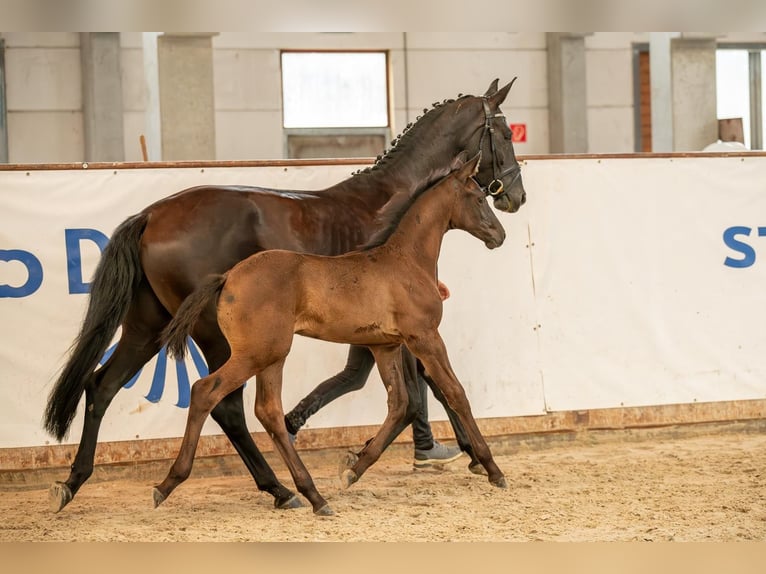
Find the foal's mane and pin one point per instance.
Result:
(400, 142)
(390, 215)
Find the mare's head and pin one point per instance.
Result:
(473, 123)
(499, 171)
(471, 211)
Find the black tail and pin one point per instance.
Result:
(117, 275)
(175, 333)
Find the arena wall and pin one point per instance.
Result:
(44, 86)
(628, 293)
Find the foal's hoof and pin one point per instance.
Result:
(158, 497)
(324, 511)
(59, 495)
(348, 460)
(499, 482)
(477, 468)
(347, 478)
(292, 502)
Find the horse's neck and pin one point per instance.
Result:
(420, 161)
(421, 229)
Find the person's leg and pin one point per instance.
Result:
(351, 378)
(428, 451)
(422, 436)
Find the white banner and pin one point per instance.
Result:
(613, 288)
(645, 292)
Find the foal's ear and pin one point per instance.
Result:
(470, 168)
(499, 97)
(492, 87)
(459, 160)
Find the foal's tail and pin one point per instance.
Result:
(180, 327)
(117, 275)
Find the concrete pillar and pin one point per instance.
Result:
(661, 91)
(567, 96)
(3, 109)
(102, 96)
(695, 114)
(152, 125)
(187, 108)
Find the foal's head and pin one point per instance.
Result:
(471, 211)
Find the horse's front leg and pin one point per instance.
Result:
(433, 354)
(205, 395)
(389, 360)
(268, 410)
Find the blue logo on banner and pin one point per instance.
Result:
(731, 237)
(73, 239)
(158, 379)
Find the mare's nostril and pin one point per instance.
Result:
(523, 197)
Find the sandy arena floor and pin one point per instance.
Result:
(710, 488)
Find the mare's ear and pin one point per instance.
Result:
(499, 97)
(492, 87)
(470, 168)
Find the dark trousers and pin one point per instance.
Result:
(354, 376)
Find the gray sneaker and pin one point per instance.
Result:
(438, 454)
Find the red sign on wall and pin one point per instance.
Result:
(518, 133)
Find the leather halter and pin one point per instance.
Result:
(495, 187)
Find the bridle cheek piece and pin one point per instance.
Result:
(496, 186)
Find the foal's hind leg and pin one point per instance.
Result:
(205, 395)
(389, 360)
(230, 416)
(138, 343)
(268, 409)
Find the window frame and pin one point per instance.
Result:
(384, 131)
(755, 78)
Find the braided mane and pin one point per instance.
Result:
(400, 141)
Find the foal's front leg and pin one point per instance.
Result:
(433, 354)
(389, 360)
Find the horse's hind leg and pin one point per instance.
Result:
(389, 360)
(206, 393)
(230, 416)
(268, 409)
(138, 343)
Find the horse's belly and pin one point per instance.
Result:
(339, 331)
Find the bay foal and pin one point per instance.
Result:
(382, 296)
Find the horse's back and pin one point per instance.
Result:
(207, 230)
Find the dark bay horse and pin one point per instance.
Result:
(382, 296)
(159, 256)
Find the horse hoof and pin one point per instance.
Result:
(158, 497)
(347, 461)
(324, 511)
(292, 502)
(477, 468)
(59, 495)
(347, 478)
(499, 482)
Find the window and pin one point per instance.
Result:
(335, 104)
(739, 89)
